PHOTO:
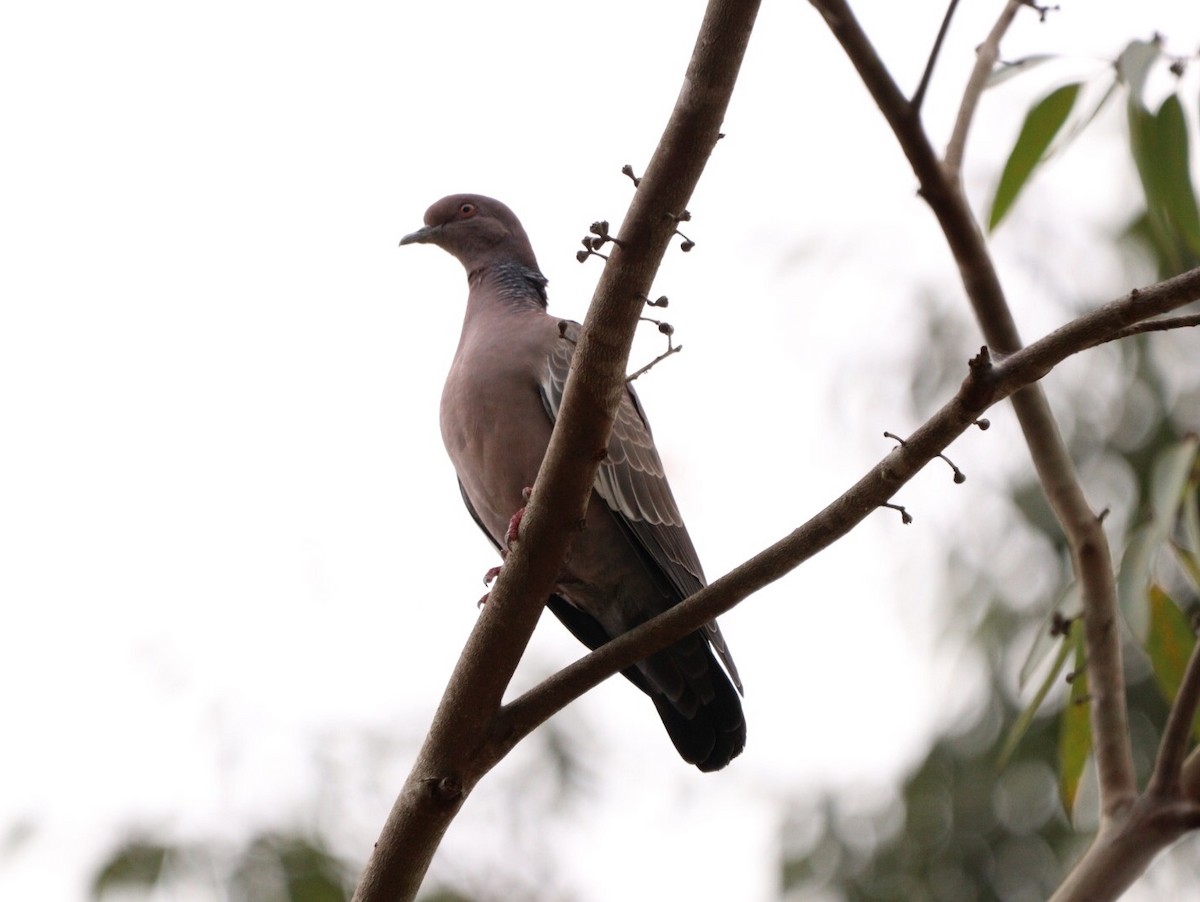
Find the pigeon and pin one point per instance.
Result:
(633, 559)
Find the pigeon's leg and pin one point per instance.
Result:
(510, 536)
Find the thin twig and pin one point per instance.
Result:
(1157, 325)
(919, 95)
(671, 349)
(985, 60)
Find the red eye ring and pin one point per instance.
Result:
(467, 210)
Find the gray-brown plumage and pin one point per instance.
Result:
(634, 559)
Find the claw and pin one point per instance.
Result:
(514, 528)
(510, 536)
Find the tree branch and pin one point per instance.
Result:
(1157, 325)
(1056, 471)
(449, 763)
(984, 386)
(985, 61)
(918, 97)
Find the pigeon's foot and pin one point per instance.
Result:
(510, 536)
(514, 525)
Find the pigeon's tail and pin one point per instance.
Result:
(695, 699)
(697, 703)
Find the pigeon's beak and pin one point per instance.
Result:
(421, 236)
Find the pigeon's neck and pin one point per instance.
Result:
(511, 282)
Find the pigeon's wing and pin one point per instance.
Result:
(633, 484)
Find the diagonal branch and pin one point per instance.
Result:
(985, 385)
(918, 97)
(1090, 552)
(985, 61)
(1157, 325)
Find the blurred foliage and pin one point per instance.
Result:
(270, 868)
(1000, 809)
(525, 804)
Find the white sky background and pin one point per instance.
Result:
(230, 541)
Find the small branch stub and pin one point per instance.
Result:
(628, 170)
(905, 516)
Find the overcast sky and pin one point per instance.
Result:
(233, 558)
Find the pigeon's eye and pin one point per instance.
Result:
(466, 211)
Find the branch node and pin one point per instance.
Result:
(628, 170)
(984, 424)
(981, 363)
(660, 302)
(445, 789)
(1042, 11)
(1060, 625)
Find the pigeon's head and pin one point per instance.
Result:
(478, 230)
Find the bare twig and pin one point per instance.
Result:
(1157, 325)
(671, 349)
(919, 95)
(985, 61)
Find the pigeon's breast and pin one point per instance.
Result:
(493, 422)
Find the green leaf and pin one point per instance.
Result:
(136, 866)
(1143, 140)
(1075, 730)
(1041, 125)
(1169, 644)
(1179, 197)
(1025, 718)
(1159, 144)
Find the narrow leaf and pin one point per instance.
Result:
(1178, 196)
(1170, 642)
(1144, 148)
(1041, 125)
(1068, 607)
(1021, 725)
(1075, 730)
(1134, 577)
